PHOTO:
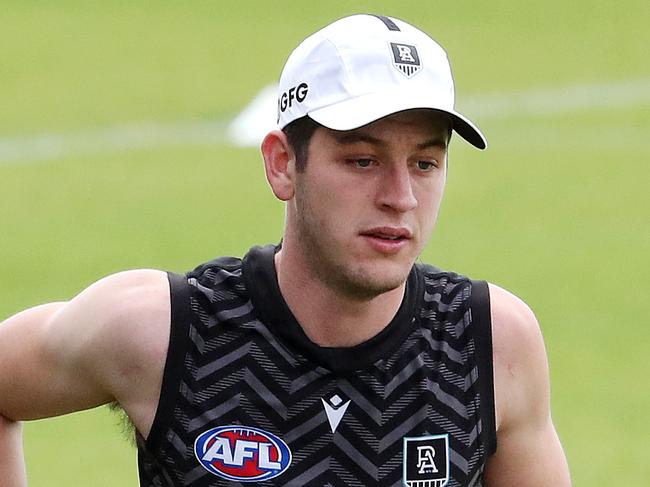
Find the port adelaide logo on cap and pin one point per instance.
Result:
(426, 461)
(242, 453)
(406, 58)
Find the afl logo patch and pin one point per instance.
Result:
(242, 453)
(426, 461)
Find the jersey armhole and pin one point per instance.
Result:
(178, 337)
(482, 321)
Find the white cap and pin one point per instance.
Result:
(365, 67)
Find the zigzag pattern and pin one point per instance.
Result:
(237, 372)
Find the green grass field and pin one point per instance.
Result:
(556, 210)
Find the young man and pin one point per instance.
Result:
(333, 358)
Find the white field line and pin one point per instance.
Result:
(556, 101)
(111, 139)
(248, 128)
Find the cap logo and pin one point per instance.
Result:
(297, 93)
(406, 59)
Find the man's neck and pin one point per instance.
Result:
(328, 317)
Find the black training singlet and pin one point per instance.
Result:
(247, 397)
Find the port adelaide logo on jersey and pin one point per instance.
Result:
(406, 58)
(242, 453)
(426, 461)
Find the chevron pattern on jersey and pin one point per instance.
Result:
(236, 371)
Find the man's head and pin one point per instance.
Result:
(366, 106)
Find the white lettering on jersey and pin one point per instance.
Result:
(425, 459)
(264, 460)
(244, 449)
(220, 450)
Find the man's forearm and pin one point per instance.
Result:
(12, 463)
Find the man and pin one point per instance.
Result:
(333, 358)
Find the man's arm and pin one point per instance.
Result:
(107, 344)
(528, 449)
(12, 465)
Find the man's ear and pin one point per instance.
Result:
(279, 164)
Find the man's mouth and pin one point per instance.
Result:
(388, 233)
(387, 240)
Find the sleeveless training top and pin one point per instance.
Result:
(247, 397)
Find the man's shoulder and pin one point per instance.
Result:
(520, 363)
(132, 290)
(512, 319)
(128, 308)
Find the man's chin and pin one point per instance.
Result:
(370, 285)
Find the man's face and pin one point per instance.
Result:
(368, 200)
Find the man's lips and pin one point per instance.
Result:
(388, 233)
(387, 240)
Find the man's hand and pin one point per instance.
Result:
(12, 464)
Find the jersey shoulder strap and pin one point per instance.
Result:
(178, 341)
(482, 326)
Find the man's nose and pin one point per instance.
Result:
(396, 191)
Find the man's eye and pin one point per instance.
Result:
(361, 162)
(426, 165)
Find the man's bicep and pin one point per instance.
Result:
(106, 344)
(36, 379)
(65, 357)
(530, 456)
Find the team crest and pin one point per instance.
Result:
(406, 58)
(426, 461)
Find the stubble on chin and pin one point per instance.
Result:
(346, 276)
(362, 286)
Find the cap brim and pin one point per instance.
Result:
(362, 110)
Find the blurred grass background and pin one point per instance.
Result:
(556, 210)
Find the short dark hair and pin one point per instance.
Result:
(299, 133)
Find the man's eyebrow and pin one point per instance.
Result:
(350, 138)
(439, 142)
